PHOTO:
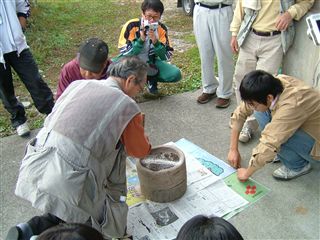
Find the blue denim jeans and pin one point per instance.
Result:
(295, 152)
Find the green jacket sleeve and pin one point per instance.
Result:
(137, 45)
(161, 51)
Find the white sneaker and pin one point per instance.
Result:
(284, 173)
(245, 134)
(252, 123)
(23, 129)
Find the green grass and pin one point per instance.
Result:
(57, 28)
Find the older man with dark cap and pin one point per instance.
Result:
(91, 63)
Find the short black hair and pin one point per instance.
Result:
(71, 231)
(155, 5)
(202, 227)
(257, 85)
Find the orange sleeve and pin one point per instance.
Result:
(134, 139)
(163, 37)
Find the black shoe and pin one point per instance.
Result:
(153, 86)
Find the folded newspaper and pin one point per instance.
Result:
(207, 193)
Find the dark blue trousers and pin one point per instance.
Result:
(27, 69)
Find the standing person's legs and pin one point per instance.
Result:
(28, 71)
(270, 54)
(247, 62)
(10, 102)
(269, 57)
(219, 28)
(201, 19)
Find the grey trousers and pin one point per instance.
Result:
(211, 29)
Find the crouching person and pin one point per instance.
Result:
(91, 63)
(288, 113)
(147, 38)
(75, 169)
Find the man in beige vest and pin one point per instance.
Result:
(75, 169)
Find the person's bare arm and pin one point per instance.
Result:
(234, 157)
(234, 44)
(23, 22)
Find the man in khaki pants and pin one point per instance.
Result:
(262, 31)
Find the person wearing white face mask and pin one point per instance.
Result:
(288, 113)
(262, 32)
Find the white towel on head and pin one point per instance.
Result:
(252, 4)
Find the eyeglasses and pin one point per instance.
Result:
(152, 17)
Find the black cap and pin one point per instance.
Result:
(93, 53)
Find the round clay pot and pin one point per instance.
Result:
(165, 182)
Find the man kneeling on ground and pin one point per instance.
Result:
(288, 113)
(75, 169)
(91, 63)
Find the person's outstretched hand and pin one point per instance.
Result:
(242, 174)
